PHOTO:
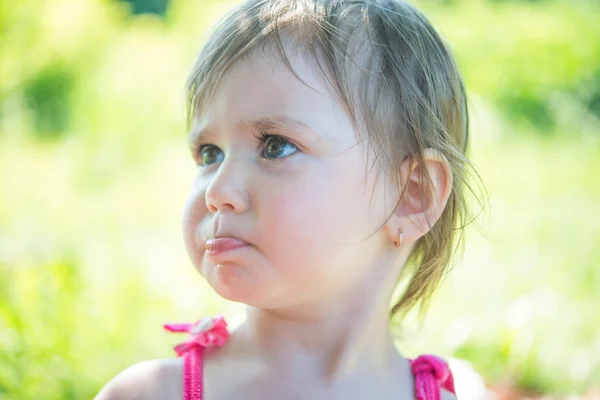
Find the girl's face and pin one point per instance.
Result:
(280, 167)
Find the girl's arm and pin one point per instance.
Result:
(446, 395)
(148, 380)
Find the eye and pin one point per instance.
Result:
(276, 147)
(210, 154)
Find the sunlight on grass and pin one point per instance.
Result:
(94, 172)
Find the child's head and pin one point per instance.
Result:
(325, 131)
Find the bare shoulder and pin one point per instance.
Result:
(447, 395)
(148, 380)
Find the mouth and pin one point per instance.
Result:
(221, 245)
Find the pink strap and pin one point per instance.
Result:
(431, 374)
(208, 332)
(192, 374)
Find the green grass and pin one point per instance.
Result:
(92, 273)
(93, 179)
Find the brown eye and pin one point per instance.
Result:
(210, 154)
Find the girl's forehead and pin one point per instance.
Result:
(261, 89)
(298, 74)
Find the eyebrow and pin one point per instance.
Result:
(281, 123)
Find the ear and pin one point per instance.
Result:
(422, 203)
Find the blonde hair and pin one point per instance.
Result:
(399, 83)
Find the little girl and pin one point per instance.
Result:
(330, 139)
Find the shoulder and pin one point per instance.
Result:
(447, 395)
(148, 380)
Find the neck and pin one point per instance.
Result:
(331, 342)
(332, 347)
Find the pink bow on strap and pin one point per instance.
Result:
(207, 332)
(431, 373)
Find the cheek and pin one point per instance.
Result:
(312, 215)
(193, 212)
(293, 236)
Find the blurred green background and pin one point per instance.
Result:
(94, 171)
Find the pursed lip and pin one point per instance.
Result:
(223, 244)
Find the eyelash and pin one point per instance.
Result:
(262, 138)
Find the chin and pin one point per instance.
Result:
(235, 283)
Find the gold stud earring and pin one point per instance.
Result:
(399, 242)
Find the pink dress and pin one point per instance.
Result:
(430, 372)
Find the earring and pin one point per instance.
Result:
(399, 242)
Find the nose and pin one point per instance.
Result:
(227, 190)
